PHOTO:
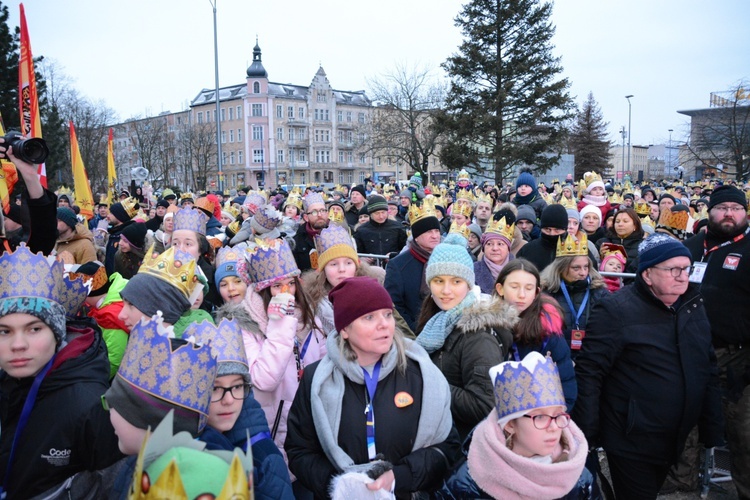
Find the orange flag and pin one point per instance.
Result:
(8, 177)
(83, 197)
(31, 123)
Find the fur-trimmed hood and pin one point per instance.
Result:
(240, 313)
(485, 314)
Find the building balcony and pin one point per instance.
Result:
(299, 164)
(299, 144)
(297, 122)
(345, 125)
(345, 144)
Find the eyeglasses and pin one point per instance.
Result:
(727, 209)
(316, 213)
(676, 271)
(238, 392)
(543, 421)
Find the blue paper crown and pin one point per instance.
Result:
(24, 274)
(270, 261)
(522, 386)
(191, 219)
(182, 376)
(225, 340)
(75, 289)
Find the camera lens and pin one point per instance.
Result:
(34, 150)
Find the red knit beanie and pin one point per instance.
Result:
(355, 297)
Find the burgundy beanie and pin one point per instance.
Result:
(348, 305)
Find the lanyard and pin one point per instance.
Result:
(737, 238)
(573, 311)
(372, 384)
(28, 405)
(300, 355)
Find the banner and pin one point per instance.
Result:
(8, 177)
(111, 171)
(82, 188)
(31, 123)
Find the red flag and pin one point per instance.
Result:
(31, 123)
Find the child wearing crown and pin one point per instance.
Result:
(57, 371)
(528, 447)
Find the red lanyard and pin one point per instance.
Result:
(728, 242)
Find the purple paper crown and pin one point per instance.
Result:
(254, 200)
(270, 261)
(266, 219)
(312, 199)
(191, 219)
(75, 289)
(225, 340)
(182, 376)
(331, 236)
(24, 274)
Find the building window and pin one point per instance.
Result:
(290, 112)
(290, 153)
(280, 156)
(231, 158)
(341, 136)
(257, 110)
(279, 111)
(223, 114)
(223, 157)
(322, 135)
(301, 134)
(200, 117)
(361, 177)
(349, 136)
(214, 115)
(362, 158)
(321, 97)
(231, 135)
(323, 156)
(239, 135)
(302, 155)
(231, 114)
(239, 157)
(378, 161)
(223, 136)
(361, 118)
(349, 156)
(349, 116)
(257, 156)
(341, 157)
(340, 116)
(301, 113)
(280, 134)
(239, 112)
(290, 134)
(208, 117)
(257, 133)
(256, 88)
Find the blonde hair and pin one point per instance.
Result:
(553, 274)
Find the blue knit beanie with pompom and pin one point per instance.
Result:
(451, 258)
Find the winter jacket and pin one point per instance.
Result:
(483, 276)
(68, 431)
(113, 242)
(270, 348)
(380, 239)
(577, 291)
(302, 246)
(351, 213)
(480, 340)
(80, 244)
(725, 288)
(114, 331)
(419, 470)
(630, 243)
(647, 374)
(403, 279)
(40, 224)
(213, 227)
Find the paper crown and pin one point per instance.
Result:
(173, 266)
(573, 246)
(266, 219)
(501, 227)
(674, 223)
(702, 214)
(130, 205)
(642, 208)
(205, 204)
(461, 207)
(254, 200)
(25, 274)
(225, 340)
(484, 198)
(463, 175)
(98, 279)
(426, 209)
(182, 373)
(465, 195)
(227, 254)
(335, 216)
(568, 203)
(313, 199)
(462, 229)
(334, 241)
(608, 249)
(295, 200)
(270, 261)
(164, 457)
(233, 210)
(615, 199)
(590, 177)
(523, 386)
(75, 289)
(186, 197)
(191, 219)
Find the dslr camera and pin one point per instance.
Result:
(32, 151)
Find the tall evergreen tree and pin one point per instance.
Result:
(9, 53)
(507, 104)
(588, 140)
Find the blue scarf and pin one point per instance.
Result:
(441, 325)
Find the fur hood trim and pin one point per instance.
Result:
(240, 313)
(494, 313)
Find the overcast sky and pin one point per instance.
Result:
(146, 56)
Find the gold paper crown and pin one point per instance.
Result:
(294, 199)
(427, 209)
(234, 227)
(590, 177)
(130, 205)
(177, 270)
(484, 198)
(234, 211)
(334, 216)
(461, 229)
(465, 194)
(642, 208)
(186, 196)
(571, 246)
(461, 208)
(702, 214)
(615, 199)
(501, 227)
(673, 220)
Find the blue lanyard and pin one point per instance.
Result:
(573, 311)
(300, 355)
(372, 384)
(28, 405)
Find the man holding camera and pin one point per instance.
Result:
(38, 211)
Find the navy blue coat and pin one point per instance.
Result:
(577, 292)
(403, 280)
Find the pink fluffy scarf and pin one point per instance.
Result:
(503, 474)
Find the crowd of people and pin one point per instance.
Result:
(449, 341)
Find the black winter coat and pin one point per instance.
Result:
(577, 291)
(420, 470)
(541, 251)
(647, 375)
(630, 243)
(380, 239)
(480, 340)
(68, 430)
(302, 246)
(113, 242)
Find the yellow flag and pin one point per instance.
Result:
(83, 196)
(8, 177)
(111, 171)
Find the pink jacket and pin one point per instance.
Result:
(269, 345)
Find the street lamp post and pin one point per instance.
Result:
(622, 168)
(669, 154)
(218, 110)
(630, 146)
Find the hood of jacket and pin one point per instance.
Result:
(487, 314)
(82, 232)
(239, 313)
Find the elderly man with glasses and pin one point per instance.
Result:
(647, 372)
(315, 218)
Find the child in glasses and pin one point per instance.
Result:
(527, 447)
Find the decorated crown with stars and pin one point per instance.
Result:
(173, 266)
(573, 246)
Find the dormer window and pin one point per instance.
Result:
(256, 88)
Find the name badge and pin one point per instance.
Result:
(699, 269)
(576, 339)
(732, 261)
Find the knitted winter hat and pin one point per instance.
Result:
(135, 234)
(526, 212)
(674, 200)
(124, 210)
(450, 258)
(333, 242)
(591, 209)
(554, 216)
(347, 299)
(360, 189)
(526, 179)
(230, 262)
(68, 216)
(573, 214)
(657, 248)
(416, 180)
(375, 203)
(727, 193)
(476, 230)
